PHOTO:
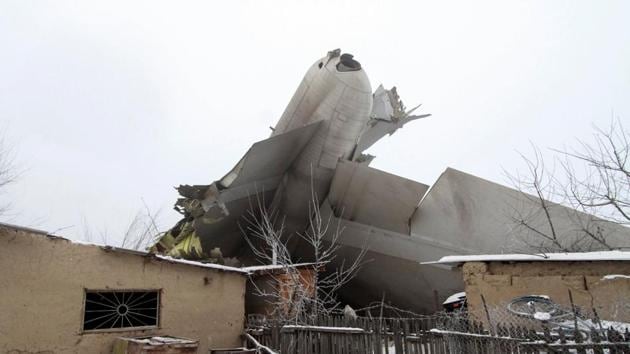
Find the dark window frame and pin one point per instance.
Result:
(158, 312)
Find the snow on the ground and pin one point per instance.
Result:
(158, 340)
(615, 276)
(542, 316)
(322, 328)
(588, 324)
(618, 326)
(259, 347)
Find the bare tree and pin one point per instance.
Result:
(603, 186)
(143, 230)
(581, 202)
(295, 296)
(140, 234)
(8, 172)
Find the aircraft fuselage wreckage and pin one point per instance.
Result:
(316, 153)
(317, 148)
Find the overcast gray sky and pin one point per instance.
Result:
(108, 103)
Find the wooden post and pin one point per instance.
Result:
(485, 308)
(573, 309)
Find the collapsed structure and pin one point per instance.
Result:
(316, 154)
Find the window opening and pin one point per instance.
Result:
(120, 309)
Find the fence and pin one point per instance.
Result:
(437, 334)
(337, 334)
(611, 341)
(515, 339)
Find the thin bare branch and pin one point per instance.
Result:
(594, 180)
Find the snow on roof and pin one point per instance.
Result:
(161, 257)
(201, 264)
(455, 298)
(537, 257)
(270, 267)
(129, 251)
(165, 258)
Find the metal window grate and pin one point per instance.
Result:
(120, 309)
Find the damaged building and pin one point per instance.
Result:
(59, 296)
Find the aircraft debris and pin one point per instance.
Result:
(317, 151)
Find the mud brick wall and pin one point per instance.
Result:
(500, 282)
(43, 282)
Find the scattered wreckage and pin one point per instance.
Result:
(317, 151)
(333, 117)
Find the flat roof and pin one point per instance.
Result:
(270, 268)
(110, 248)
(615, 255)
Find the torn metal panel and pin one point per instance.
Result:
(387, 105)
(181, 242)
(259, 170)
(199, 201)
(388, 115)
(194, 237)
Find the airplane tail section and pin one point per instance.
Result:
(212, 212)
